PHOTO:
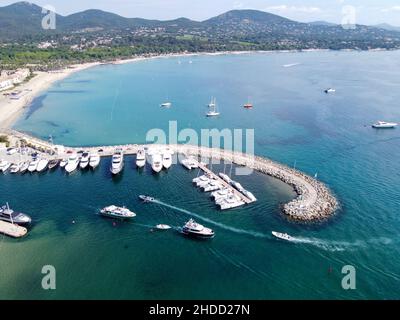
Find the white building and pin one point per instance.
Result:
(10, 78)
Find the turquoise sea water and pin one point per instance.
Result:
(294, 122)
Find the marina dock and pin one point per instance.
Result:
(12, 230)
(314, 200)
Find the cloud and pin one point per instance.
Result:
(286, 8)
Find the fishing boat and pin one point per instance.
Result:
(42, 165)
(117, 212)
(163, 227)
(141, 158)
(53, 164)
(94, 160)
(146, 198)
(11, 216)
(282, 236)
(384, 125)
(117, 163)
(72, 164)
(213, 112)
(194, 229)
(84, 163)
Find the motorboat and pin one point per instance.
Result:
(117, 212)
(249, 195)
(220, 193)
(84, 162)
(4, 165)
(384, 125)
(117, 163)
(225, 177)
(33, 165)
(194, 229)
(72, 163)
(163, 227)
(213, 112)
(146, 198)
(190, 163)
(329, 90)
(53, 163)
(230, 202)
(14, 168)
(167, 159)
(42, 165)
(282, 236)
(202, 181)
(63, 163)
(24, 167)
(141, 158)
(166, 105)
(11, 216)
(212, 186)
(94, 160)
(237, 186)
(156, 162)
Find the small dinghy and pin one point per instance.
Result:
(163, 227)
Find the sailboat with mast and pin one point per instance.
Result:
(213, 112)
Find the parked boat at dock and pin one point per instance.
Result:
(53, 164)
(117, 163)
(15, 167)
(156, 161)
(42, 165)
(33, 165)
(72, 163)
(117, 212)
(194, 229)
(63, 163)
(24, 167)
(141, 158)
(167, 159)
(84, 162)
(94, 160)
(190, 163)
(4, 165)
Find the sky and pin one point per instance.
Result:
(368, 12)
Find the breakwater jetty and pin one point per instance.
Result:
(314, 200)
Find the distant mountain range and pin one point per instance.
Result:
(23, 20)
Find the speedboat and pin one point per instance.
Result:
(194, 229)
(166, 105)
(329, 90)
(42, 165)
(163, 227)
(54, 163)
(14, 168)
(72, 164)
(117, 212)
(63, 163)
(384, 125)
(33, 165)
(117, 162)
(9, 215)
(156, 162)
(24, 167)
(141, 158)
(94, 160)
(83, 164)
(146, 198)
(167, 159)
(282, 236)
(4, 165)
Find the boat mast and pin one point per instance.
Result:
(8, 209)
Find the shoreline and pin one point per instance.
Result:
(11, 110)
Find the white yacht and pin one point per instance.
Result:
(141, 158)
(194, 229)
(117, 212)
(330, 90)
(4, 165)
(63, 163)
(229, 202)
(84, 162)
(282, 236)
(225, 177)
(166, 105)
(237, 186)
(212, 186)
(33, 165)
(117, 163)
(167, 159)
(249, 195)
(42, 165)
(213, 112)
(72, 163)
(384, 125)
(14, 168)
(156, 161)
(24, 167)
(163, 227)
(190, 163)
(201, 181)
(94, 160)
